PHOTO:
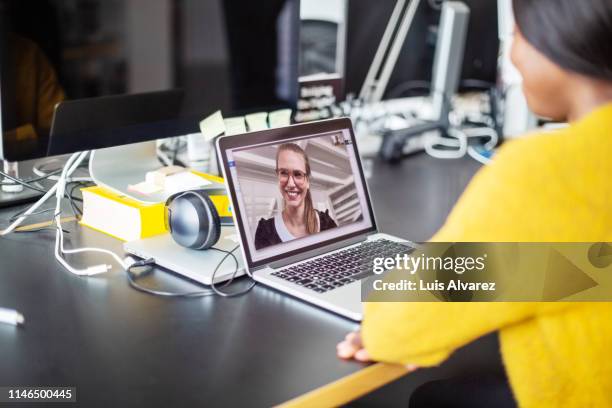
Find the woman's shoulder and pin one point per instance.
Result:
(578, 144)
(532, 187)
(534, 158)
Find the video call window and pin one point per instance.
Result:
(294, 190)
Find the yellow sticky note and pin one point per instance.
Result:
(235, 126)
(279, 118)
(257, 121)
(212, 126)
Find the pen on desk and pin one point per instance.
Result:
(10, 316)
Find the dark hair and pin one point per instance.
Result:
(310, 216)
(574, 34)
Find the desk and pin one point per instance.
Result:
(120, 347)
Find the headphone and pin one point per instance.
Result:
(192, 218)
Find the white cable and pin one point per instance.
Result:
(457, 141)
(40, 173)
(73, 166)
(476, 155)
(59, 234)
(72, 179)
(36, 167)
(483, 132)
(490, 145)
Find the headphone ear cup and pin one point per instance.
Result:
(193, 220)
(210, 225)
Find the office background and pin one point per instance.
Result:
(204, 349)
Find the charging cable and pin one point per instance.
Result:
(133, 274)
(68, 169)
(59, 234)
(128, 263)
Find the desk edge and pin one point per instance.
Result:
(349, 388)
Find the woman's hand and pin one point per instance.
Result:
(352, 347)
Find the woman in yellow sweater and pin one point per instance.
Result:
(547, 187)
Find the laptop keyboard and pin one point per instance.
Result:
(341, 268)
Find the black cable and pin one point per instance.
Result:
(18, 231)
(131, 277)
(69, 195)
(32, 180)
(19, 214)
(76, 212)
(23, 183)
(175, 151)
(72, 198)
(172, 152)
(27, 183)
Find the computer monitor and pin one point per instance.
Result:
(234, 55)
(413, 70)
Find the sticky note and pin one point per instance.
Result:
(145, 188)
(158, 177)
(257, 121)
(212, 126)
(279, 118)
(184, 181)
(235, 126)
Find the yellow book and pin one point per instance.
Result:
(120, 216)
(221, 202)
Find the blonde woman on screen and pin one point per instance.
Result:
(298, 218)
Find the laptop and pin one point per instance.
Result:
(303, 213)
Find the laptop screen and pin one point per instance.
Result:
(296, 189)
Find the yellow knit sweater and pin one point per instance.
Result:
(549, 187)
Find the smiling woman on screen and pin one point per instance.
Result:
(298, 218)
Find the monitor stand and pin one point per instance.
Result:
(15, 194)
(116, 168)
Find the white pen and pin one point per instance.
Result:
(10, 316)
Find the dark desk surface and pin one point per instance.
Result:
(120, 347)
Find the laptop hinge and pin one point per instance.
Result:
(318, 251)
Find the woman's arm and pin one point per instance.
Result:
(425, 334)
(506, 202)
